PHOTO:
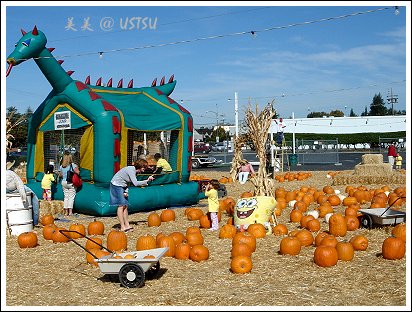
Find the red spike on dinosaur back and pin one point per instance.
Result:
(80, 86)
(120, 84)
(23, 31)
(87, 81)
(99, 82)
(109, 83)
(130, 85)
(162, 82)
(154, 82)
(171, 78)
(34, 32)
(51, 49)
(60, 62)
(70, 72)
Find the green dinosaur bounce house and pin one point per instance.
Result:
(103, 127)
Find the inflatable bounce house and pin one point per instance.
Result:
(106, 128)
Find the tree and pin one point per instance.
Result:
(365, 112)
(317, 115)
(352, 114)
(377, 107)
(336, 113)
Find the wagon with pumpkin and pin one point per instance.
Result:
(132, 267)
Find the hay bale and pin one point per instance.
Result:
(53, 207)
(374, 169)
(372, 159)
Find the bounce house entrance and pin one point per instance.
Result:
(59, 141)
(143, 144)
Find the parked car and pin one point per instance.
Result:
(219, 147)
(201, 147)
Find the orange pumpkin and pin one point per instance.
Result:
(227, 231)
(241, 264)
(95, 228)
(79, 228)
(359, 242)
(205, 221)
(27, 240)
(290, 246)
(192, 230)
(337, 225)
(194, 214)
(313, 225)
(199, 253)
(93, 243)
(167, 241)
(329, 240)
(195, 239)
(280, 229)
(240, 249)
(58, 237)
(319, 237)
(325, 256)
(305, 220)
(345, 251)
(178, 237)
(334, 200)
(47, 219)
(116, 240)
(393, 248)
(246, 194)
(305, 237)
(146, 242)
(295, 215)
(153, 219)
(245, 237)
(399, 231)
(167, 215)
(257, 229)
(352, 223)
(48, 231)
(182, 251)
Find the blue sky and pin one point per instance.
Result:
(310, 60)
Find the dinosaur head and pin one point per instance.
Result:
(29, 46)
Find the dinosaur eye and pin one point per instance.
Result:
(15, 44)
(26, 43)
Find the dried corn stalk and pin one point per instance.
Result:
(238, 143)
(258, 125)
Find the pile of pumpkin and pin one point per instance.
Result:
(327, 201)
(291, 176)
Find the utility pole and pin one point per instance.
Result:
(392, 98)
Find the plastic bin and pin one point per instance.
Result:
(293, 159)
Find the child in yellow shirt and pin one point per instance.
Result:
(213, 202)
(46, 183)
(398, 161)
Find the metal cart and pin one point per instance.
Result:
(132, 272)
(381, 216)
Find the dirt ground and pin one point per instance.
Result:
(57, 274)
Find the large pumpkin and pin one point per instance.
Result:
(205, 222)
(257, 229)
(280, 229)
(58, 237)
(325, 256)
(345, 251)
(192, 229)
(337, 225)
(27, 240)
(94, 243)
(400, 231)
(246, 238)
(167, 241)
(182, 251)
(393, 248)
(290, 245)
(48, 231)
(153, 219)
(240, 249)
(146, 242)
(359, 242)
(227, 204)
(194, 214)
(47, 219)
(117, 240)
(352, 223)
(79, 228)
(194, 239)
(227, 231)
(95, 228)
(178, 237)
(167, 215)
(305, 237)
(199, 253)
(241, 264)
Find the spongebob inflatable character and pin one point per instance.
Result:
(256, 209)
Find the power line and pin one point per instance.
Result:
(253, 32)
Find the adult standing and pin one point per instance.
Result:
(392, 154)
(279, 134)
(119, 190)
(69, 191)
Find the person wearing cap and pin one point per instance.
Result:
(392, 154)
